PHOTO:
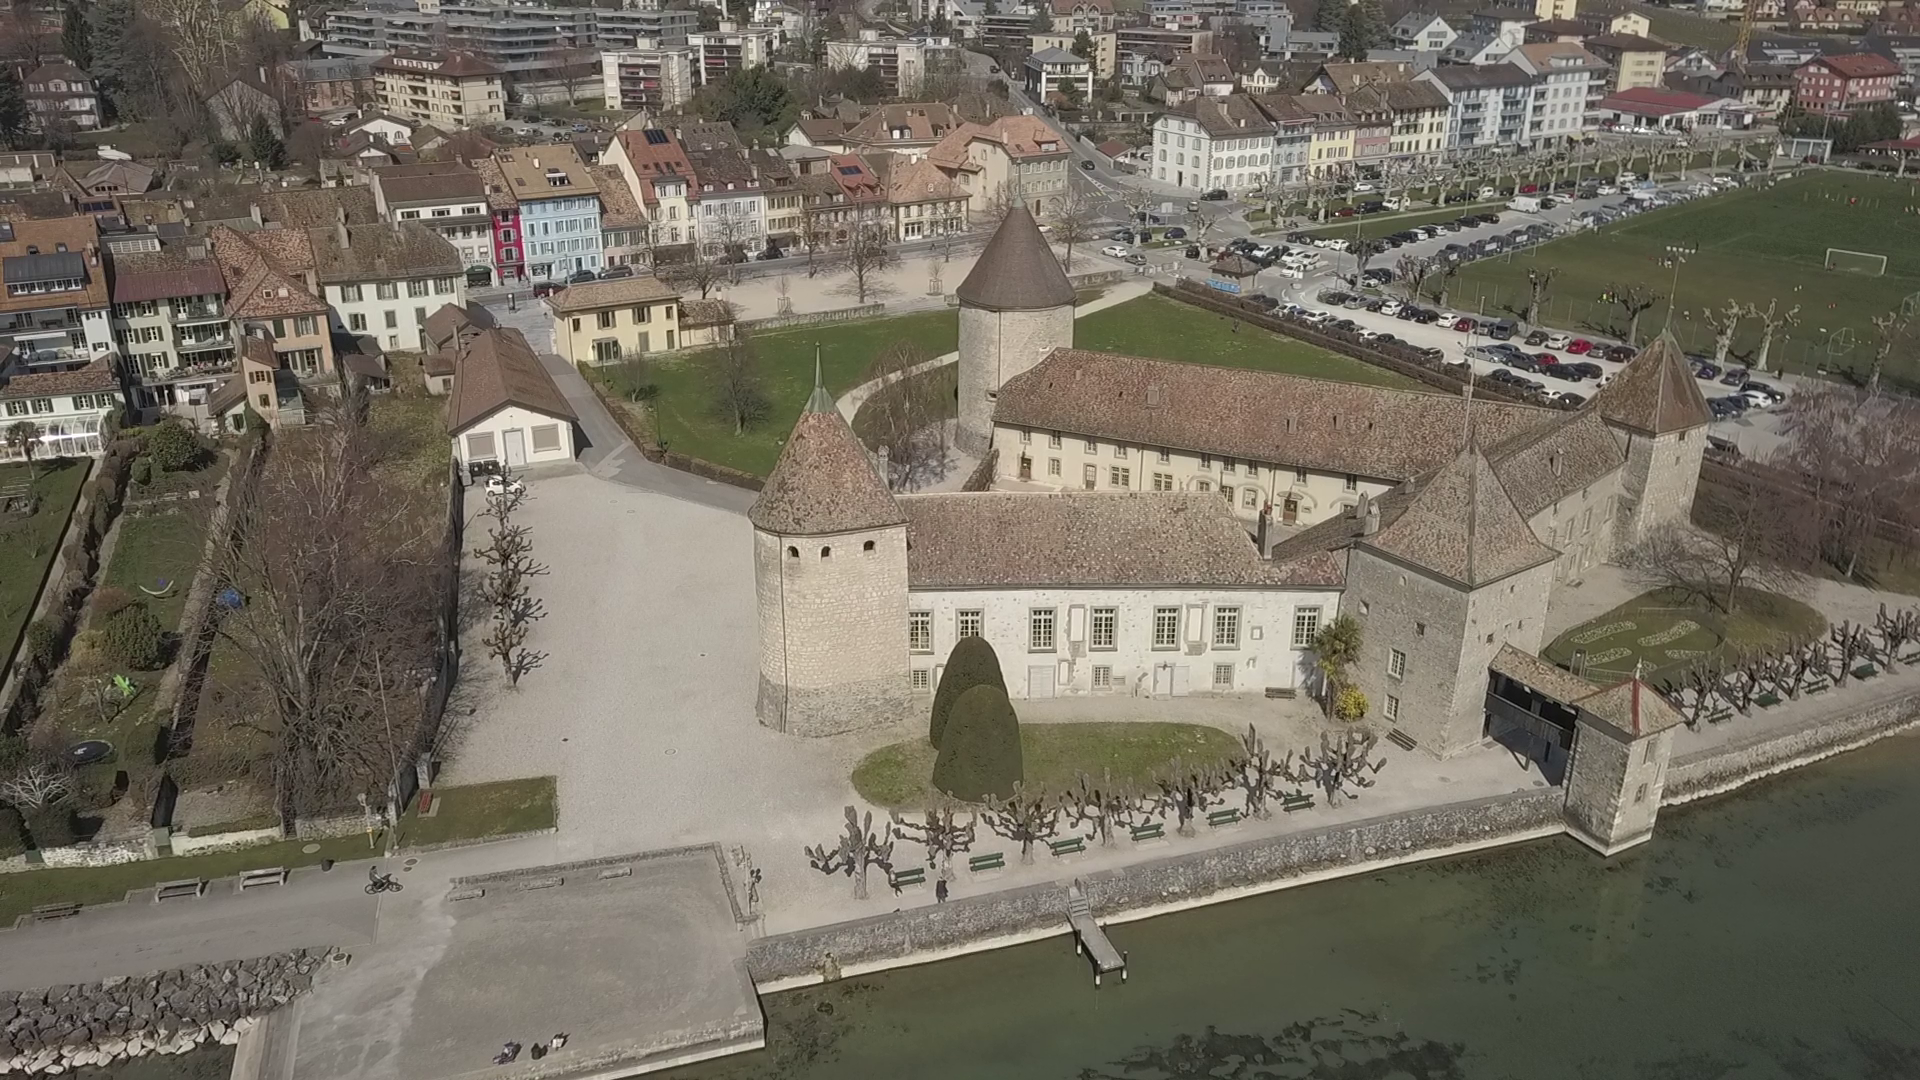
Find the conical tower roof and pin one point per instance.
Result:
(1017, 271)
(1461, 523)
(824, 482)
(1655, 393)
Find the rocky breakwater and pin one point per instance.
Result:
(62, 1028)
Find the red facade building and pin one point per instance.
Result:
(1847, 81)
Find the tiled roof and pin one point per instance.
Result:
(1407, 96)
(1017, 271)
(1625, 43)
(1555, 460)
(449, 64)
(1232, 116)
(1459, 522)
(1652, 101)
(256, 288)
(921, 122)
(594, 295)
(499, 195)
(824, 482)
(432, 182)
(527, 168)
(381, 252)
(695, 314)
(1655, 393)
(1542, 54)
(618, 208)
(1349, 77)
(921, 181)
(78, 235)
(158, 275)
(304, 209)
(1090, 538)
(1859, 65)
(495, 369)
(290, 249)
(821, 128)
(1462, 77)
(1555, 682)
(1257, 416)
(1632, 708)
(1020, 136)
(95, 377)
(452, 322)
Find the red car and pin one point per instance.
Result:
(1345, 211)
(1580, 346)
(1528, 189)
(1464, 325)
(1545, 358)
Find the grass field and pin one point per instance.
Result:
(1752, 246)
(1663, 632)
(28, 544)
(900, 776)
(1164, 329)
(1685, 28)
(1381, 224)
(160, 545)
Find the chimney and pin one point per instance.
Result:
(1369, 515)
(340, 235)
(253, 211)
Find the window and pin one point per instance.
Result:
(357, 322)
(1646, 754)
(1040, 630)
(1227, 494)
(1203, 485)
(1103, 676)
(920, 631)
(1053, 466)
(387, 290)
(642, 314)
(1299, 476)
(1226, 465)
(604, 320)
(1396, 664)
(1206, 461)
(1306, 626)
(1226, 627)
(1223, 676)
(303, 325)
(1391, 709)
(350, 294)
(480, 446)
(1089, 476)
(417, 288)
(1352, 482)
(1104, 624)
(1053, 440)
(1419, 629)
(970, 622)
(1165, 457)
(393, 320)
(419, 316)
(1093, 446)
(1250, 498)
(1120, 451)
(1166, 628)
(1640, 794)
(443, 286)
(920, 679)
(546, 438)
(1162, 481)
(1120, 477)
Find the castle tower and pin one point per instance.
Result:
(1621, 748)
(1656, 412)
(1441, 573)
(1015, 308)
(830, 570)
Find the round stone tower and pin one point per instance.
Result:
(1015, 308)
(830, 569)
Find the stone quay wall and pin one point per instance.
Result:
(1724, 768)
(62, 1028)
(932, 932)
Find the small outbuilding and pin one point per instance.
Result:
(504, 411)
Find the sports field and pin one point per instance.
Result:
(1755, 245)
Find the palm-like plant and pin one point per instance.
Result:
(24, 436)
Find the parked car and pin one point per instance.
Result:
(1584, 369)
(614, 272)
(1502, 329)
(497, 484)
(1579, 346)
(1705, 372)
(1545, 359)
(1175, 233)
(1621, 353)
(1557, 341)
(546, 288)
(1538, 337)
(1115, 251)
(1773, 394)
(1726, 408)
(1734, 377)
(1137, 259)
(1463, 324)
(1263, 301)
(1216, 195)
(581, 277)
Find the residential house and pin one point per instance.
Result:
(731, 207)
(1214, 142)
(71, 410)
(450, 90)
(1634, 24)
(559, 209)
(1419, 121)
(1335, 132)
(781, 191)
(1011, 159)
(730, 48)
(1764, 88)
(1105, 54)
(909, 130)
(1193, 75)
(509, 243)
(1057, 71)
(864, 197)
(656, 168)
(333, 84)
(1846, 81)
(1372, 128)
(263, 387)
(657, 80)
(62, 97)
(504, 411)
(1486, 106)
(900, 63)
(623, 225)
(924, 201)
(54, 314)
(1422, 31)
(1554, 9)
(445, 196)
(1636, 61)
(381, 280)
(1293, 128)
(268, 274)
(1073, 16)
(826, 133)
(1567, 83)
(446, 333)
(600, 322)
(237, 104)
(1348, 77)
(172, 324)
(1264, 77)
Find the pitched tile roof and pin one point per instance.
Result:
(1632, 708)
(1552, 680)
(1623, 43)
(1459, 522)
(499, 193)
(1859, 65)
(824, 482)
(306, 208)
(96, 376)
(921, 181)
(445, 327)
(256, 288)
(78, 236)
(1090, 538)
(1257, 416)
(1349, 77)
(1655, 392)
(594, 295)
(449, 64)
(381, 252)
(1017, 271)
(618, 208)
(1463, 77)
(169, 272)
(429, 182)
(497, 368)
(921, 122)
(1555, 460)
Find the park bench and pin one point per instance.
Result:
(1153, 830)
(1401, 739)
(1767, 700)
(1815, 686)
(1223, 817)
(980, 864)
(1911, 658)
(912, 875)
(1282, 692)
(1719, 716)
(179, 890)
(50, 912)
(1865, 671)
(1290, 803)
(1072, 845)
(250, 879)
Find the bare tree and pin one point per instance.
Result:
(1073, 220)
(942, 834)
(1772, 320)
(1745, 539)
(730, 230)
(1724, 325)
(575, 69)
(1025, 816)
(1633, 301)
(907, 417)
(1102, 805)
(1892, 331)
(1413, 272)
(508, 589)
(1187, 790)
(1539, 282)
(36, 787)
(739, 392)
(868, 256)
(859, 850)
(1860, 452)
(1341, 764)
(202, 38)
(699, 270)
(814, 235)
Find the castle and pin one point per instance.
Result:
(1165, 529)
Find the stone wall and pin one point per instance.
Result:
(929, 932)
(1425, 618)
(996, 346)
(833, 630)
(775, 322)
(60, 1028)
(1724, 768)
(102, 853)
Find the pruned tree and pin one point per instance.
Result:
(1892, 332)
(1185, 790)
(1748, 537)
(859, 850)
(508, 590)
(1412, 271)
(698, 269)
(868, 257)
(1539, 284)
(1724, 325)
(814, 235)
(1025, 816)
(906, 417)
(1633, 301)
(943, 834)
(1074, 217)
(1771, 321)
(734, 378)
(1256, 773)
(1101, 805)
(1339, 766)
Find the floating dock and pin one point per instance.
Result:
(1089, 939)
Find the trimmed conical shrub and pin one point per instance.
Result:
(980, 755)
(972, 663)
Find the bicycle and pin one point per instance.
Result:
(380, 883)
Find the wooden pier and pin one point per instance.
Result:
(1089, 939)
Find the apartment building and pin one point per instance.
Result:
(1422, 31)
(559, 209)
(267, 293)
(54, 314)
(780, 185)
(382, 280)
(654, 80)
(445, 196)
(1057, 71)
(1486, 106)
(655, 166)
(1072, 16)
(1106, 49)
(623, 224)
(901, 63)
(449, 90)
(1419, 121)
(509, 247)
(61, 96)
(909, 130)
(1844, 82)
(1569, 83)
(924, 202)
(719, 53)
(731, 207)
(1635, 61)
(1214, 142)
(644, 26)
(1011, 160)
(171, 323)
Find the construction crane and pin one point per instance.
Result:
(1738, 60)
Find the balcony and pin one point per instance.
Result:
(200, 371)
(197, 313)
(203, 342)
(56, 358)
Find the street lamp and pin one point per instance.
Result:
(1678, 253)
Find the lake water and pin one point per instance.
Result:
(1770, 934)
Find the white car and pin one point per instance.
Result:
(1606, 190)
(1116, 251)
(1364, 188)
(1559, 341)
(1391, 307)
(1338, 243)
(501, 485)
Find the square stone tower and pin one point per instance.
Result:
(1016, 306)
(1623, 741)
(1655, 410)
(830, 572)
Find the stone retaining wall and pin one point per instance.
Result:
(60, 1028)
(809, 318)
(929, 932)
(1722, 769)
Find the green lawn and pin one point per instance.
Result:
(414, 430)
(160, 543)
(28, 544)
(685, 418)
(1752, 246)
(900, 776)
(1665, 633)
(1166, 329)
(1685, 28)
(469, 813)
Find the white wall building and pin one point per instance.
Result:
(1214, 142)
(504, 411)
(385, 280)
(66, 408)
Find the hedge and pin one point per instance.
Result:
(980, 758)
(972, 663)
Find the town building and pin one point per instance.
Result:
(1073, 16)
(509, 245)
(449, 90)
(54, 314)
(1057, 71)
(445, 196)
(655, 166)
(908, 130)
(1844, 82)
(328, 85)
(900, 63)
(1554, 9)
(719, 53)
(1105, 54)
(602, 322)
(1568, 81)
(1636, 61)
(1486, 106)
(172, 325)
(504, 411)
(651, 80)
(1671, 110)
(623, 224)
(268, 293)
(558, 206)
(1422, 31)
(1214, 142)
(381, 280)
(1011, 160)
(924, 202)
(70, 411)
(62, 97)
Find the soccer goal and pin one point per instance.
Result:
(1856, 262)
